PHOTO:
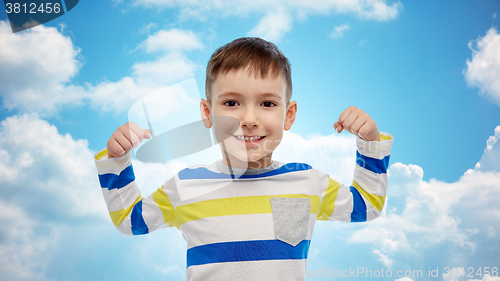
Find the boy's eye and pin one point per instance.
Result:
(230, 103)
(268, 104)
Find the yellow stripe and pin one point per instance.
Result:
(376, 200)
(101, 154)
(328, 204)
(166, 207)
(234, 206)
(382, 138)
(118, 216)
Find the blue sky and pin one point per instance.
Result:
(426, 71)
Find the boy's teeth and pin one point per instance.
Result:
(248, 138)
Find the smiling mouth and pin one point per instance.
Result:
(249, 139)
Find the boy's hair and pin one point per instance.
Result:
(262, 58)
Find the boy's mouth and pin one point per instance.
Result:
(249, 138)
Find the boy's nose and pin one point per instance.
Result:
(249, 119)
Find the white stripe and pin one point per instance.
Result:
(375, 149)
(343, 217)
(212, 167)
(371, 182)
(323, 183)
(113, 165)
(125, 226)
(188, 189)
(343, 203)
(153, 217)
(372, 214)
(301, 182)
(234, 228)
(267, 270)
(118, 199)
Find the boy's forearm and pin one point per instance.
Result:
(370, 174)
(117, 180)
(365, 198)
(130, 212)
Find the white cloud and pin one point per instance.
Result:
(173, 40)
(35, 66)
(272, 27)
(434, 213)
(148, 27)
(379, 10)
(20, 246)
(386, 261)
(53, 220)
(404, 279)
(117, 96)
(51, 184)
(170, 67)
(164, 70)
(483, 69)
(490, 161)
(486, 277)
(146, 78)
(490, 231)
(38, 157)
(338, 31)
(422, 214)
(367, 9)
(273, 11)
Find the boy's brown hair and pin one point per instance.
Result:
(262, 58)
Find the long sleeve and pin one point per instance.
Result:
(130, 212)
(365, 198)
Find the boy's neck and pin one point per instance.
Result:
(234, 162)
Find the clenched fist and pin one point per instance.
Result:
(359, 123)
(125, 138)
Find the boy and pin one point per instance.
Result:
(257, 226)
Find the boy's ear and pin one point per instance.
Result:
(291, 110)
(205, 109)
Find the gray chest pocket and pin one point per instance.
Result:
(291, 218)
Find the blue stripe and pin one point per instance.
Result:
(378, 166)
(246, 251)
(359, 208)
(112, 181)
(204, 173)
(138, 224)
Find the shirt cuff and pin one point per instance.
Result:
(376, 149)
(111, 166)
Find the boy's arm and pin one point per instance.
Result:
(130, 212)
(365, 198)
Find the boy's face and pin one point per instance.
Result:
(261, 107)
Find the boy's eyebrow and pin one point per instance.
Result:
(274, 95)
(224, 94)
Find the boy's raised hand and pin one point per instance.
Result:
(359, 123)
(125, 138)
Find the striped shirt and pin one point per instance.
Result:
(255, 225)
